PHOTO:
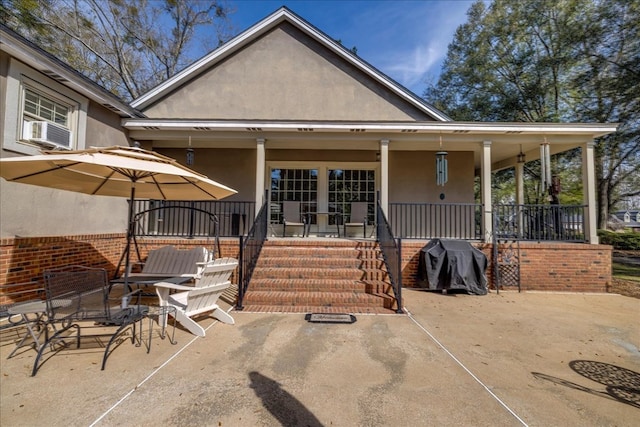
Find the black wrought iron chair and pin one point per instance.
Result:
(77, 298)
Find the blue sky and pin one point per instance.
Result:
(407, 40)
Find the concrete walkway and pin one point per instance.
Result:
(511, 359)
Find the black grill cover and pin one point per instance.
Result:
(453, 264)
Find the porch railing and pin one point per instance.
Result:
(434, 220)
(391, 249)
(564, 223)
(192, 219)
(250, 247)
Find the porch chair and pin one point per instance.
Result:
(358, 217)
(292, 216)
(201, 298)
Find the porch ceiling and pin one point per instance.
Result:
(507, 138)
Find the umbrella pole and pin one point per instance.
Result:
(127, 262)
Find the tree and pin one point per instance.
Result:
(126, 46)
(550, 61)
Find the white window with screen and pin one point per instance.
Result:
(46, 120)
(41, 113)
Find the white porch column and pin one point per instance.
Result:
(520, 183)
(520, 193)
(384, 176)
(485, 184)
(589, 192)
(260, 166)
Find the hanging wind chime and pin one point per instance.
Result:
(190, 154)
(442, 168)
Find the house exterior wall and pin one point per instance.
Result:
(412, 178)
(283, 76)
(27, 210)
(104, 128)
(235, 168)
(411, 173)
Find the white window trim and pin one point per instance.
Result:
(19, 76)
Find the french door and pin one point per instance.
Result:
(325, 194)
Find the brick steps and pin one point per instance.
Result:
(318, 298)
(323, 276)
(337, 261)
(314, 309)
(319, 273)
(320, 285)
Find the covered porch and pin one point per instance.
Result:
(326, 166)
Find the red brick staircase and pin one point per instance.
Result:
(320, 276)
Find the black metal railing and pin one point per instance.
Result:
(564, 223)
(250, 247)
(433, 220)
(391, 249)
(191, 218)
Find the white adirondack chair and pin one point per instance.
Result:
(171, 262)
(190, 301)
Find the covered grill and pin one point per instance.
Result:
(453, 264)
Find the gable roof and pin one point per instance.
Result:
(34, 56)
(258, 30)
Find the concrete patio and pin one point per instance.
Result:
(537, 359)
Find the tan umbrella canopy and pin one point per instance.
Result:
(114, 171)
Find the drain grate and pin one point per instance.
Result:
(330, 318)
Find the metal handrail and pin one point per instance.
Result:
(462, 221)
(392, 253)
(560, 223)
(250, 248)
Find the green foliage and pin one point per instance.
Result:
(626, 272)
(126, 46)
(627, 241)
(553, 61)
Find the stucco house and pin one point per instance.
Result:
(282, 113)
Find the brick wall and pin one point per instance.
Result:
(23, 260)
(544, 266)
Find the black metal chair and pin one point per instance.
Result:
(77, 298)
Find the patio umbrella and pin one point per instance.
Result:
(114, 171)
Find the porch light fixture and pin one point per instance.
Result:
(521, 156)
(442, 168)
(190, 154)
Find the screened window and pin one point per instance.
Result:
(38, 107)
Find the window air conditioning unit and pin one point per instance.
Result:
(47, 133)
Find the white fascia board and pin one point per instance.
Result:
(260, 28)
(42, 63)
(595, 129)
